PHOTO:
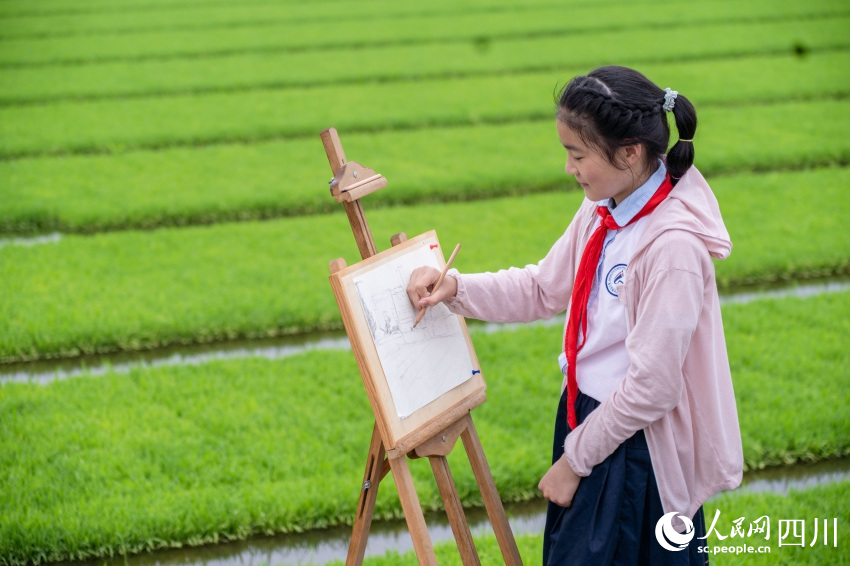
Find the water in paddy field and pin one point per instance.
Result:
(322, 546)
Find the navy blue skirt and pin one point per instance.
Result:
(615, 509)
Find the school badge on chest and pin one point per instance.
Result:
(616, 276)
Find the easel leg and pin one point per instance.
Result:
(375, 471)
(360, 227)
(454, 510)
(413, 512)
(492, 503)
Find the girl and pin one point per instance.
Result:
(646, 423)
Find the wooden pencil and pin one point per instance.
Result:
(437, 284)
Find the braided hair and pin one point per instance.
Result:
(613, 107)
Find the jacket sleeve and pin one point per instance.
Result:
(523, 295)
(668, 310)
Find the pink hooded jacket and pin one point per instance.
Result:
(678, 388)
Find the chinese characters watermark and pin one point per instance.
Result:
(791, 532)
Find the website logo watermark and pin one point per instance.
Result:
(668, 537)
(791, 532)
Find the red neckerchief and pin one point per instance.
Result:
(584, 283)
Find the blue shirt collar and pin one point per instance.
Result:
(632, 204)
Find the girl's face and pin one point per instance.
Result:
(599, 178)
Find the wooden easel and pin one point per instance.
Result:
(351, 182)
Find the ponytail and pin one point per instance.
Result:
(680, 157)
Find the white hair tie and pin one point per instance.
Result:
(669, 99)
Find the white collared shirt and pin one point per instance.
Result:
(603, 360)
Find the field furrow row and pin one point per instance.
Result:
(478, 33)
(51, 8)
(410, 103)
(238, 181)
(69, 127)
(162, 182)
(183, 17)
(138, 290)
(245, 73)
(222, 445)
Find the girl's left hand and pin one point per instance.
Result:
(559, 484)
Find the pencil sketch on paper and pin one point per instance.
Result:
(422, 363)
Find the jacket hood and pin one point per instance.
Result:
(691, 206)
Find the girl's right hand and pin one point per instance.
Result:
(422, 283)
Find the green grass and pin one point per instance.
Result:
(456, 28)
(156, 114)
(108, 18)
(147, 18)
(806, 504)
(137, 290)
(288, 178)
(49, 8)
(118, 125)
(403, 62)
(793, 338)
(93, 466)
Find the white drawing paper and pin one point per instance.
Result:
(423, 363)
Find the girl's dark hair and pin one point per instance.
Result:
(612, 107)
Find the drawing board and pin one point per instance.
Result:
(414, 377)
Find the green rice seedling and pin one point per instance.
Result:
(115, 125)
(251, 70)
(477, 29)
(807, 504)
(53, 8)
(149, 460)
(261, 180)
(159, 457)
(529, 545)
(15, 9)
(758, 335)
(43, 20)
(138, 290)
(40, 22)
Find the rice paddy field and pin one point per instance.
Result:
(162, 183)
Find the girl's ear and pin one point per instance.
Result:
(632, 154)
